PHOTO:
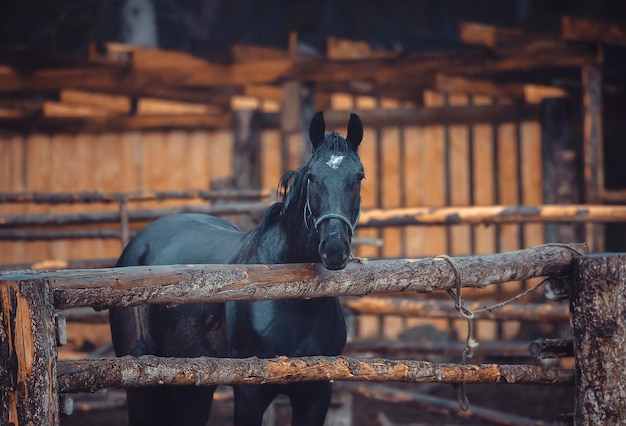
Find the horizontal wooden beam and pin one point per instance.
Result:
(582, 29)
(115, 123)
(486, 215)
(138, 215)
(530, 93)
(54, 198)
(425, 116)
(131, 286)
(148, 370)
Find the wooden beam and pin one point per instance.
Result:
(593, 146)
(424, 116)
(104, 101)
(152, 106)
(91, 375)
(249, 53)
(492, 37)
(581, 29)
(338, 48)
(64, 110)
(176, 284)
(486, 215)
(116, 123)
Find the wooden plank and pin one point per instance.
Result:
(198, 161)
(337, 48)
(63, 176)
(471, 86)
(532, 177)
(593, 146)
(103, 101)
(60, 109)
(507, 182)
(108, 175)
(271, 164)
(154, 164)
(391, 188)
(459, 179)
(221, 161)
(582, 29)
(433, 180)
(413, 147)
(153, 106)
(111, 123)
(249, 53)
(12, 163)
(37, 171)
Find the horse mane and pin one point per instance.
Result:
(291, 191)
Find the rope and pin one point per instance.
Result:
(470, 343)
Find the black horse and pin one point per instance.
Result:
(314, 223)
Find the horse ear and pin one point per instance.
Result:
(355, 131)
(317, 129)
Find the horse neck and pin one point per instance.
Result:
(301, 242)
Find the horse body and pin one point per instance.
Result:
(314, 223)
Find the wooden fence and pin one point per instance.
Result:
(33, 379)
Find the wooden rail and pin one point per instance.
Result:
(30, 387)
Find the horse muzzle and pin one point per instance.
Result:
(334, 248)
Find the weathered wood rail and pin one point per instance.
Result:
(32, 377)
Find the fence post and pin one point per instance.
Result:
(598, 315)
(28, 354)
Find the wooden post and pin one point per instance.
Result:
(599, 321)
(28, 355)
(561, 153)
(593, 146)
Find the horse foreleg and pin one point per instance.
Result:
(251, 402)
(309, 403)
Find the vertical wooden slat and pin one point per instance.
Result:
(592, 146)
(391, 186)
(271, 164)
(432, 182)
(37, 164)
(197, 159)
(484, 195)
(413, 152)
(63, 165)
(11, 179)
(221, 155)
(107, 177)
(532, 181)
(459, 179)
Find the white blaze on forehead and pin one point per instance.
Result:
(335, 161)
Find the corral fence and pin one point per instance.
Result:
(34, 383)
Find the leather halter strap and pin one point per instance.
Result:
(308, 212)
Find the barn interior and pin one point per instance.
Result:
(115, 113)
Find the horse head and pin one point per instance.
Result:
(333, 192)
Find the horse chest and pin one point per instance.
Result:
(285, 327)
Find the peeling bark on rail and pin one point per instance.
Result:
(148, 370)
(180, 284)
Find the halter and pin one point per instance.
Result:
(308, 212)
